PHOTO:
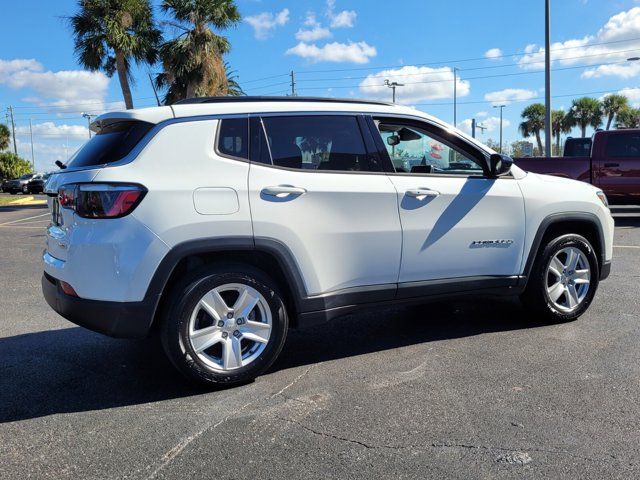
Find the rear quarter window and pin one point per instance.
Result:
(623, 145)
(114, 142)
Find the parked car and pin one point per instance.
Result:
(18, 185)
(218, 223)
(613, 165)
(36, 185)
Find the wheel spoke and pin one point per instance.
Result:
(572, 296)
(215, 305)
(247, 301)
(231, 353)
(572, 259)
(256, 331)
(205, 337)
(556, 267)
(582, 276)
(555, 291)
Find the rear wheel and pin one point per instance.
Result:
(225, 326)
(564, 279)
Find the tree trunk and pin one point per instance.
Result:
(609, 120)
(558, 142)
(121, 67)
(584, 130)
(539, 140)
(191, 89)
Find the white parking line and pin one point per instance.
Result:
(626, 246)
(23, 219)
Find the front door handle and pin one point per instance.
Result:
(422, 193)
(283, 191)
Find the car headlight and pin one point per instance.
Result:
(603, 198)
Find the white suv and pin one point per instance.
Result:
(218, 223)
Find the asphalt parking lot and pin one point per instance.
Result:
(456, 390)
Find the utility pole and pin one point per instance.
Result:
(33, 158)
(547, 78)
(473, 128)
(293, 84)
(501, 107)
(455, 96)
(88, 116)
(13, 129)
(392, 86)
(155, 92)
(481, 127)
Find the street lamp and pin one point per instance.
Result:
(547, 78)
(501, 107)
(88, 116)
(392, 86)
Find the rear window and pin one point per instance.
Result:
(112, 143)
(577, 147)
(233, 137)
(623, 145)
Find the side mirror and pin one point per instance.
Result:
(500, 164)
(393, 140)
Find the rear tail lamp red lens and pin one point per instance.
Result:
(101, 200)
(68, 289)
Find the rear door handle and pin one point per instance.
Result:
(422, 193)
(283, 191)
(611, 165)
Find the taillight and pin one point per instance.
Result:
(101, 200)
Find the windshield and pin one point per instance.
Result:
(26, 177)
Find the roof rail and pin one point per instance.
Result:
(244, 99)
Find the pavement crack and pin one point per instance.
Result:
(295, 380)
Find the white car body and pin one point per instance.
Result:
(351, 238)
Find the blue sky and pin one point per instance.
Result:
(343, 48)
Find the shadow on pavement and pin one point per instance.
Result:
(75, 370)
(16, 208)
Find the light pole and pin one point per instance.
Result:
(501, 107)
(392, 86)
(547, 78)
(88, 116)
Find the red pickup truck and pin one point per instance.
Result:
(613, 166)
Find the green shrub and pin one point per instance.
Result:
(12, 165)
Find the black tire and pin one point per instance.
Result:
(536, 298)
(184, 298)
(12, 192)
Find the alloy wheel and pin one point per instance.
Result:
(568, 277)
(230, 327)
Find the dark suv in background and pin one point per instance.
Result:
(20, 184)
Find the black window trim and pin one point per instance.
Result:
(364, 132)
(216, 141)
(434, 129)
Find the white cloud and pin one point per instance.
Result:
(509, 95)
(490, 124)
(493, 53)
(50, 129)
(264, 22)
(420, 83)
(481, 114)
(633, 94)
(315, 30)
(354, 52)
(582, 51)
(66, 88)
(343, 19)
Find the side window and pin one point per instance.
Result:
(414, 150)
(317, 142)
(233, 137)
(623, 145)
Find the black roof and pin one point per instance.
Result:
(244, 99)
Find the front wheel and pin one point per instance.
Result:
(225, 326)
(564, 279)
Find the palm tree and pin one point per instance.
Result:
(628, 117)
(5, 137)
(611, 106)
(559, 125)
(533, 123)
(585, 112)
(193, 64)
(177, 89)
(109, 34)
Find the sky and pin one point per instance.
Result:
(341, 48)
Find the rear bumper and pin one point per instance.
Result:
(116, 319)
